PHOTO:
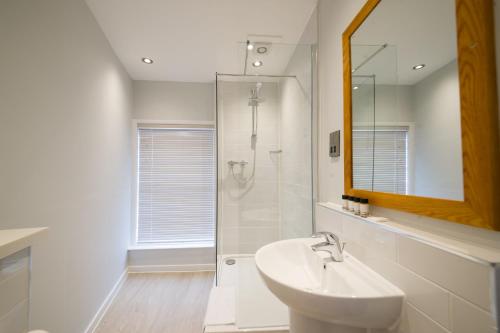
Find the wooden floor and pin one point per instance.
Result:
(159, 303)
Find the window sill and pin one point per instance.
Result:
(170, 246)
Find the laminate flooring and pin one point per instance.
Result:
(159, 303)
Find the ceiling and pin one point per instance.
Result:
(416, 31)
(191, 40)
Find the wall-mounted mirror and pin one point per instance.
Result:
(413, 109)
(406, 101)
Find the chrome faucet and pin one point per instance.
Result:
(332, 245)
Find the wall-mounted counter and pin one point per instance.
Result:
(13, 240)
(15, 247)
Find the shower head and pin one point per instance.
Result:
(255, 91)
(255, 99)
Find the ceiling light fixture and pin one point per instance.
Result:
(257, 63)
(355, 87)
(417, 67)
(249, 46)
(147, 61)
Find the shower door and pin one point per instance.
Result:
(265, 188)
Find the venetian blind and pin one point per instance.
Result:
(176, 186)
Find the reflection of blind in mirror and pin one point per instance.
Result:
(380, 159)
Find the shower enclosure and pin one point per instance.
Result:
(265, 181)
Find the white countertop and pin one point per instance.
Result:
(13, 240)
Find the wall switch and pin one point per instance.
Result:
(335, 144)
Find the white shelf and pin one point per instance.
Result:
(471, 250)
(13, 240)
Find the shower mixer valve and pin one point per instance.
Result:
(239, 177)
(241, 163)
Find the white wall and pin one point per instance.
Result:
(334, 16)
(171, 101)
(175, 259)
(65, 105)
(392, 104)
(438, 148)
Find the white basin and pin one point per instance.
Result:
(333, 297)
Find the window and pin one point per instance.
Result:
(381, 158)
(176, 187)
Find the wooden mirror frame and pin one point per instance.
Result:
(479, 123)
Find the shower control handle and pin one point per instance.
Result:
(232, 163)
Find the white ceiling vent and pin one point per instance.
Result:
(262, 48)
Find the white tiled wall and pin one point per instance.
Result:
(446, 291)
(249, 213)
(295, 138)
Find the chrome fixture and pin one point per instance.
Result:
(254, 102)
(240, 163)
(370, 57)
(332, 245)
(148, 61)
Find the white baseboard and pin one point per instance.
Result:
(235, 329)
(107, 302)
(171, 268)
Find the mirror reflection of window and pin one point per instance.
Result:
(405, 76)
(390, 145)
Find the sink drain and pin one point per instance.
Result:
(230, 261)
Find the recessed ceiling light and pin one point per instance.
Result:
(417, 67)
(147, 61)
(355, 87)
(257, 63)
(249, 46)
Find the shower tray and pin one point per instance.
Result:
(241, 302)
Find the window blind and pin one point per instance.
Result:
(176, 186)
(380, 159)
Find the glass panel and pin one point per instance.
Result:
(363, 118)
(265, 177)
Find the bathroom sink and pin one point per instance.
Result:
(327, 296)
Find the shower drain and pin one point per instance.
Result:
(230, 261)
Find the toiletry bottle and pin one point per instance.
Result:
(345, 202)
(351, 204)
(364, 207)
(356, 206)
